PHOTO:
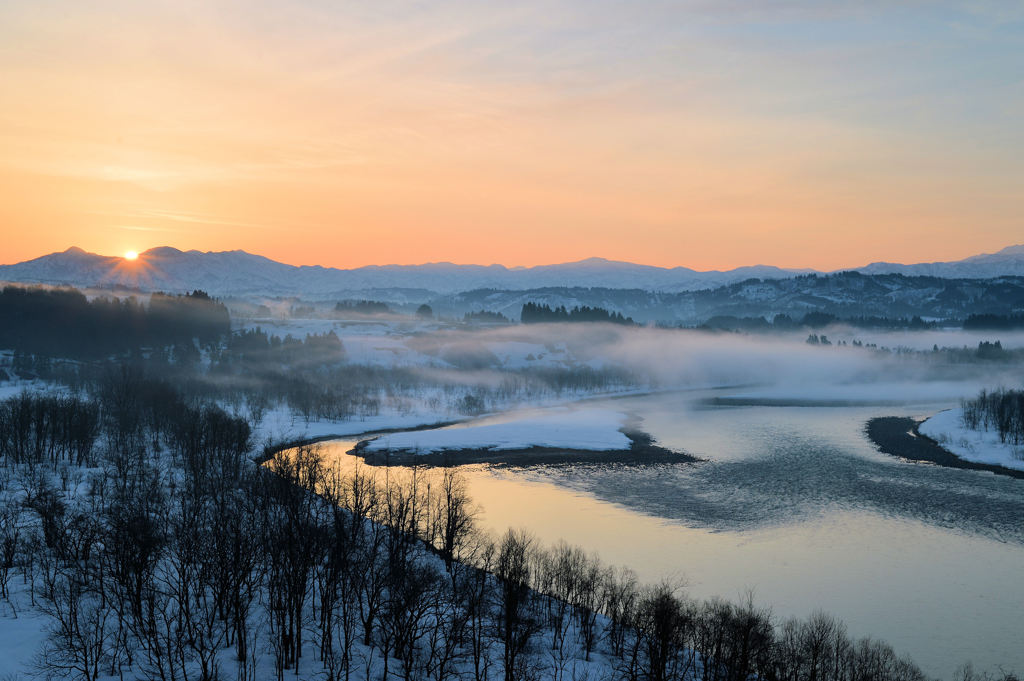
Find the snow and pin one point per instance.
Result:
(281, 424)
(979, 446)
(561, 428)
(9, 389)
(243, 274)
(22, 631)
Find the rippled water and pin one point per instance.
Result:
(797, 504)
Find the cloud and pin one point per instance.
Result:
(723, 133)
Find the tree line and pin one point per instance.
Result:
(251, 350)
(813, 320)
(367, 307)
(539, 313)
(983, 322)
(64, 323)
(486, 317)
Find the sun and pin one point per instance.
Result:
(131, 255)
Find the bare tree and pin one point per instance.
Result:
(10, 540)
(77, 642)
(517, 623)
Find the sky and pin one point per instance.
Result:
(704, 133)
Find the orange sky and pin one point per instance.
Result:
(709, 135)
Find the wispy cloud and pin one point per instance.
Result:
(138, 228)
(705, 133)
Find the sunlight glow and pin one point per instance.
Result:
(710, 135)
(131, 255)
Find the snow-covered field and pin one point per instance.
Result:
(562, 428)
(980, 446)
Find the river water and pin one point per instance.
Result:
(795, 503)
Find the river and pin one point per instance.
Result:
(795, 503)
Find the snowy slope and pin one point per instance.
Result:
(980, 446)
(1007, 262)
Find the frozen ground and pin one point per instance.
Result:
(561, 428)
(281, 424)
(981, 446)
(22, 631)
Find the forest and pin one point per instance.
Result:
(538, 313)
(64, 323)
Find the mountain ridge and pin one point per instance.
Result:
(240, 273)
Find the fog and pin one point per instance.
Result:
(340, 369)
(903, 367)
(926, 340)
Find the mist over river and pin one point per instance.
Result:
(797, 504)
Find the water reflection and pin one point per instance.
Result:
(797, 504)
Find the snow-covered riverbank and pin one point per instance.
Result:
(979, 446)
(559, 428)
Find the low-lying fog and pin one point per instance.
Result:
(903, 366)
(856, 365)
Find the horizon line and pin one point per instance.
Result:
(794, 269)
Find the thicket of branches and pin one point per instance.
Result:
(1000, 410)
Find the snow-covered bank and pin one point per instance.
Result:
(979, 446)
(281, 424)
(562, 428)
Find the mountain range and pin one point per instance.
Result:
(847, 295)
(242, 274)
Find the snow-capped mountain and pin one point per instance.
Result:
(237, 273)
(1007, 262)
